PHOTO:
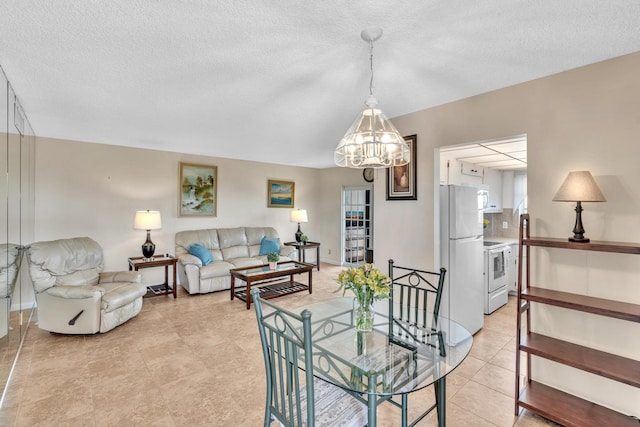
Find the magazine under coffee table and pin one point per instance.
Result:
(272, 283)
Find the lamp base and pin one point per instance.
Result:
(579, 240)
(148, 247)
(298, 234)
(578, 229)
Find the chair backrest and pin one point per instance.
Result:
(414, 295)
(76, 261)
(285, 337)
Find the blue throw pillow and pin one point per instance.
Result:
(267, 246)
(202, 253)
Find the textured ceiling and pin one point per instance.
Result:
(280, 81)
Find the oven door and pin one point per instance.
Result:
(498, 276)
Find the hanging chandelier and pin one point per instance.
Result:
(372, 141)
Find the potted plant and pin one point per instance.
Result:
(273, 258)
(304, 239)
(368, 284)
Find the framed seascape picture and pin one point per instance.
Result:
(280, 194)
(198, 195)
(402, 180)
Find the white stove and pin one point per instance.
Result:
(496, 266)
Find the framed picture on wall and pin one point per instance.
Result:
(198, 192)
(280, 194)
(402, 180)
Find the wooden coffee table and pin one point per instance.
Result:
(272, 283)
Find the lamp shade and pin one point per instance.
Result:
(147, 220)
(299, 215)
(579, 186)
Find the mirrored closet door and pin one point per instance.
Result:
(17, 163)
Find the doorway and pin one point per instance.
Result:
(357, 225)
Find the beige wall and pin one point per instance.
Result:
(584, 119)
(94, 190)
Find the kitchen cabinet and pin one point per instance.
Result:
(493, 178)
(508, 178)
(550, 402)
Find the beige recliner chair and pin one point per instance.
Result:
(73, 295)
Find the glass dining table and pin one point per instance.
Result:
(388, 363)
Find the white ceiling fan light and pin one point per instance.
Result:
(372, 141)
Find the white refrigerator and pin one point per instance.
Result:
(461, 253)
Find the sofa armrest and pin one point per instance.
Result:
(75, 292)
(189, 259)
(120, 276)
(287, 251)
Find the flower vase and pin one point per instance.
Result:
(363, 317)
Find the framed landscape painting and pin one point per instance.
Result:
(402, 180)
(198, 195)
(280, 194)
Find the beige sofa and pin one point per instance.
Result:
(230, 247)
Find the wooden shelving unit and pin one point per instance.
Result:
(549, 402)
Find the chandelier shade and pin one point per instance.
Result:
(372, 141)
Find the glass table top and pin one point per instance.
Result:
(262, 269)
(380, 362)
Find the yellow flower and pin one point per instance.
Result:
(366, 282)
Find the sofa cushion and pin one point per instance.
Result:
(243, 262)
(79, 278)
(229, 237)
(216, 269)
(207, 238)
(50, 261)
(202, 253)
(269, 245)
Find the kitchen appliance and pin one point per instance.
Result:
(496, 277)
(461, 254)
(512, 270)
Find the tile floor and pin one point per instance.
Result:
(196, 361)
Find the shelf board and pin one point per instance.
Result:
(552, 242)
(569, 410)
(587, 359)
(603, 307)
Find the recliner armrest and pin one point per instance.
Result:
(189, 259)
(120, 276)
(75, 292)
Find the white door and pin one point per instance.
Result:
(357, 225)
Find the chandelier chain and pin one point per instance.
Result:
(371, 67)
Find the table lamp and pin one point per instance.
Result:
(579, 186)
(299, 216)
(147, 220)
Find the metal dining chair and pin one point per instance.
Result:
(414, 306)
(294, 396)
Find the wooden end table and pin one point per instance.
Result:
(272, 282)
(137, 263)
(302, 247)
